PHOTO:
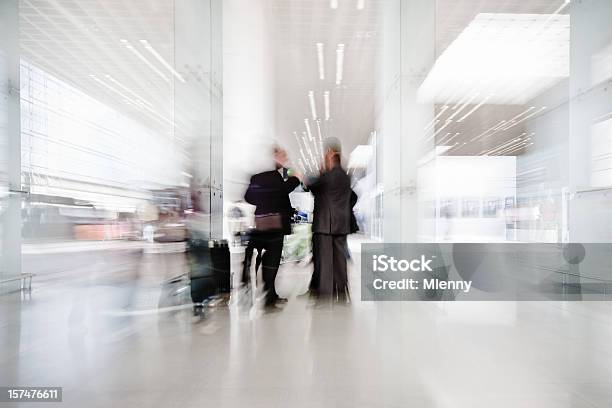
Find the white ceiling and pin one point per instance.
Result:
(296, 27)
(77, 39)
(478, 133)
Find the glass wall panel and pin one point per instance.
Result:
(10, 189)
(198, 101)
(499, 115)
(116, 117)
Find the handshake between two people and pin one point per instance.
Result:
(330, 159)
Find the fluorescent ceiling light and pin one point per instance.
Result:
(318, 122)
(326, 101)
(129, 46)
(309, 150)
(464, 117)
(510, 149)
(493, 129)
(333, 4)
(140, 104)
(306, 160)
(320, 141)
(458, 109)
(297, 139)
(440, 150)
(505, 58)
(508, 145)
(435, 120)
(150, 48)
(299, 143)
(321, 60)
(313, 107)
(446, 141)
(339, 63)
(110, 88)
(360, 4)
(307, 124)
(513, 123)
(125, 88)
(301, 164)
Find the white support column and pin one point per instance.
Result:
(417, 150)
(590, 213)
(248, 70)
(389, 121)
(407, 55)
(10, 135)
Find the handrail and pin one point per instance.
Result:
(24, 277)
(593, 190)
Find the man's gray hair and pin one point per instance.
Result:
(333, 144)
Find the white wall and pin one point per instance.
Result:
(590, 212)
(10, 154)
(457, 179)
(247, 94)
(407, 54)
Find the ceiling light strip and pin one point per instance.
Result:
(125, 88)
(446, 123)
(501, 147)
(440, 142)
(463, 106)
(488, 130)
(514, 149)
(434, 121)
(313, 105)
(136, 103)
(461, 119)
(320, 60)
(129, 46)
(506, 144)
(150, 48)
(339, 63)
(326, 102)
(526, 117)
(309, 150)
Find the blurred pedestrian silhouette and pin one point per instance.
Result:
(331, 225)
(269, 193)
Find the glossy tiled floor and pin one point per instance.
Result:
(92, 327)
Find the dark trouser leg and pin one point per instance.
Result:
(326, 264)
(316, 263)
(246, 264)
(258, 260)
(273, 247)
(340, 268)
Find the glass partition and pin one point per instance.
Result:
(10, 189)
(110, 122)
(116, 112)
(499, 114)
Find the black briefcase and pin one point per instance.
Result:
(209, 268)
(220, 258)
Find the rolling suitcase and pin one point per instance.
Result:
(209, 270)
(220, 259)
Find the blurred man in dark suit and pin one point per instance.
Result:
(331, 224)
(269, 193)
